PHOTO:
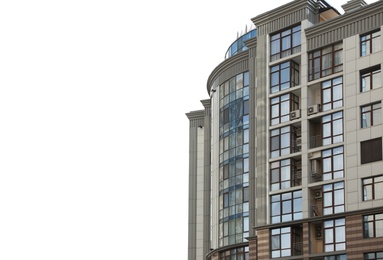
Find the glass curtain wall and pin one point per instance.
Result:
(234, 160)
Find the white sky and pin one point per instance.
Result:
(93, 132)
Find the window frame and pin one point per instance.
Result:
(276, 141)
(330, 121)
(372, 219)
(329, 155)
(293, 236)
(331, 227)
(234, 252)
(371, 38)
(370, 78)
(276, 238)
(277, 177)
(287, 206)
(279, 102)
(335, 257)
(374, 112)
(335, 99)
(372, 182)
(374, 255)
(283, 76)
(283, 141)
(332, 191)
(317, 61)
(278, 39)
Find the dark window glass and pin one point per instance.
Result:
(246, 194)
(246, 107)
(371, 150)
(280, 141)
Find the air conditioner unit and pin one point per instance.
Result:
(299, 174)
(318, 231)
(299, 141)
(295, 114)
(313, 109)
(299, 165)
(318, 194)
(298, 131)
(315, 166)
(315, 155)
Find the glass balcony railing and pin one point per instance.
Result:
(239, 45)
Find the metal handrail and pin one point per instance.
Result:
(315, 141)
(297, 248)
(316, 175)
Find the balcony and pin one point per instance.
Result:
(316, 175)
(315, 133)
(316, 202)
(315, 170)
(315, 141)
(297, 145)
(297, 248)
(297, 178)
(316, 211)
(316, 238)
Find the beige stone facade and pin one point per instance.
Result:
(286, 158)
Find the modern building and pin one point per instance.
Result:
(285, 157)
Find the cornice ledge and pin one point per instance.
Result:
(224, 248)
(346, 18)
(225, 65)
(276, 13)
(193, 115)
(251, 43)
(366, 211)
(206, 103)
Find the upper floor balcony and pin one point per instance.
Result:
(239, 45)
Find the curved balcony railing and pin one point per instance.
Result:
(239, 44)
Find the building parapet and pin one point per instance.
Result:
(286, 15)
(346, 25)
(353, 5)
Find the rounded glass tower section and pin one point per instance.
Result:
(234, 160)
